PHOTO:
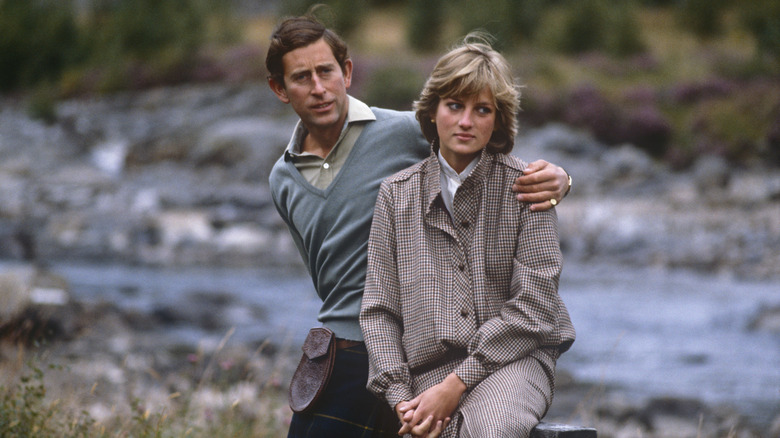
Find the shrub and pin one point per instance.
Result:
(487, 15)
(137, 42)
(36, 41)
(740, 128)
(587, 108)
(688, 93)
(762, 19)
(525, 17)
(145, 29)
(702, 17)
(590, 25)
(647, 128)
(343, 16)
(394, 87)
(24, 412)
(642, 125)
(425, 22)
(584, 27)
(624, 35)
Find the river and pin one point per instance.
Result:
(643, 332)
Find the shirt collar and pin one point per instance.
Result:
(433, 171)
(451, 173)
(357, 112)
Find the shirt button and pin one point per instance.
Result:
(461, 267)
(464, 312)
(465, 224)
(326, 166)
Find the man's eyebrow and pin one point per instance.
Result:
(304, 70)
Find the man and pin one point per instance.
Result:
(325, 186)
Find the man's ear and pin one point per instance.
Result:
(278, 89)
(347, 73)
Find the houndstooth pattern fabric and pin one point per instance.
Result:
(470, 292)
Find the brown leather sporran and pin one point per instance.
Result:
(314, 370)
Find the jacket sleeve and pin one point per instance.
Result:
(528, 320)
(380, 315)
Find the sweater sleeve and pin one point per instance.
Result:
(529, 319)
(380, 316)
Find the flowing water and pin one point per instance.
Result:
(645, 332)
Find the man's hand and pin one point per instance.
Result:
(541, 183)
(428, 414)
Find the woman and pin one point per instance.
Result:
(461, 313)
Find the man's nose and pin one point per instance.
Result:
(317, 87)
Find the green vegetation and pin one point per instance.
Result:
(37, 41)
(109, 45)
(683, 56)
(30, 406)
(395, 87)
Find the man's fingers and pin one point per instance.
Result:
(535, 166)
(542, 206)
(536, 197)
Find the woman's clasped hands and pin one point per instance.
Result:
(428, 414)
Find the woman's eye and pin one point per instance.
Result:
(454, 106)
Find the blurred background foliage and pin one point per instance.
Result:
(678, 78)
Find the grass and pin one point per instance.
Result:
(227, 393)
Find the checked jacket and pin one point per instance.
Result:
(478, 284)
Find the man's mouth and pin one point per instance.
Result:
(322, 106)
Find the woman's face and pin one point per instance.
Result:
(464, 125)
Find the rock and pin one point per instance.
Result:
(182, 226)
(232, 141)
(244, 238)
(626, 164)
(767, 319)
(711, 174)
(15, 288)
(35, 304)
(110, 156)
(774, 429)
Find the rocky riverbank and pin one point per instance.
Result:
(177, 177)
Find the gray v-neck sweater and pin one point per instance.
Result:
(330, 227)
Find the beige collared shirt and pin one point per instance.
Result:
(319, 171)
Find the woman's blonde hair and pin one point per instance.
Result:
(465, 71)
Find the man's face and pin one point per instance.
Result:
(315, 86)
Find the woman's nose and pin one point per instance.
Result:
(465, 119)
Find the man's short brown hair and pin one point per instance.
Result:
(296, 32)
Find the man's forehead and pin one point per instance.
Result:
(316, 54)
